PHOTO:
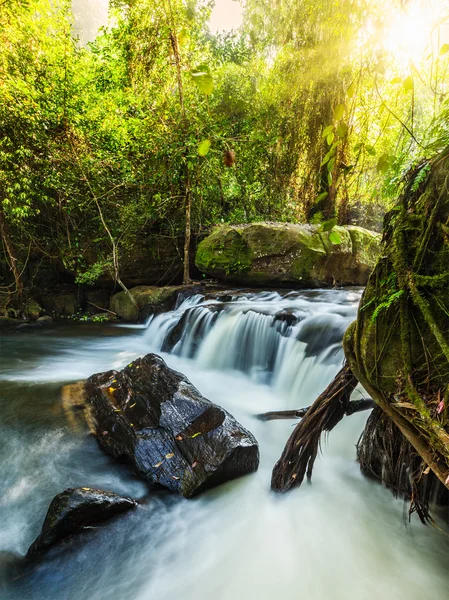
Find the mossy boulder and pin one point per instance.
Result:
(147, 300)
(61, 303)
(33, 310)
(288, 254)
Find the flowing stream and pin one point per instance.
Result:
(341, 537)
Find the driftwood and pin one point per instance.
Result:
(354, 406)
(301, 450)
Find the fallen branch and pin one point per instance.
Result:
(111, 312)
(353, 407)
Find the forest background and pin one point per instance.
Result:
(311, 111)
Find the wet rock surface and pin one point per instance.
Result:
(74, 511)
(153, 418)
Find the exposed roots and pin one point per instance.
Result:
(302, 447)
(387, 456)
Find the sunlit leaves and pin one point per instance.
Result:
(321, 197)
(204, 147)
(334, 237)
(408, 84)
(342, 130)
(339, 111)
(328, 225)
(384, 163)
(203, 79)
(350, 92)
(444, 49)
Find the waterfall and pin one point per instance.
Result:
(274, 338)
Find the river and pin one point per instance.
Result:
(341, 537)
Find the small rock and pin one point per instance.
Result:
(45, 320)
(33, 310)
(74, 511)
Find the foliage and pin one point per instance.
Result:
(97, 149)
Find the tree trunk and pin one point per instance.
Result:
(11, 252)
(188, 195)
(186, 277)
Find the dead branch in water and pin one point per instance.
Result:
(354, 406)
(301, 449)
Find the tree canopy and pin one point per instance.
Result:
(306, 113)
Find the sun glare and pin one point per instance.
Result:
(412, 33)
(226, 15)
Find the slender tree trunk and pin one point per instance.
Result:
(186, 276)
(10, 251)
(188, 196)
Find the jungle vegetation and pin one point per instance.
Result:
(309, 112)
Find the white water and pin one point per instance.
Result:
(342, 537)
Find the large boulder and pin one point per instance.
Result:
(62, 303)
(286, 254)
(74, 511)
(155, 419)
(146, 300)
(143, 298)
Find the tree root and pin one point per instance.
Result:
(301, 449)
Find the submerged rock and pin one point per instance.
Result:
(289, 254)
(74, 511)
(155, 419)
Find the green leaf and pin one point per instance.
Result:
(339, 111)
(329, 155)
(328, 225)
(342, 130)
(444, 49)
(396, 80)
(334, 237)
(384, 163)
(330, 138)
(321, 196)
(351, 91)
(203, 79)
(327, 130)
(408, 84)
(371, 150)
(204, 147)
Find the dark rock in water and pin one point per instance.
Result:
(10, 563)
(75, 510)
(322, 331)
(155, 419)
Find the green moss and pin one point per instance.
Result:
(224, 251)
(280, 253)
(365, 244)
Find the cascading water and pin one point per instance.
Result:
(343, 537)
(274, 338)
